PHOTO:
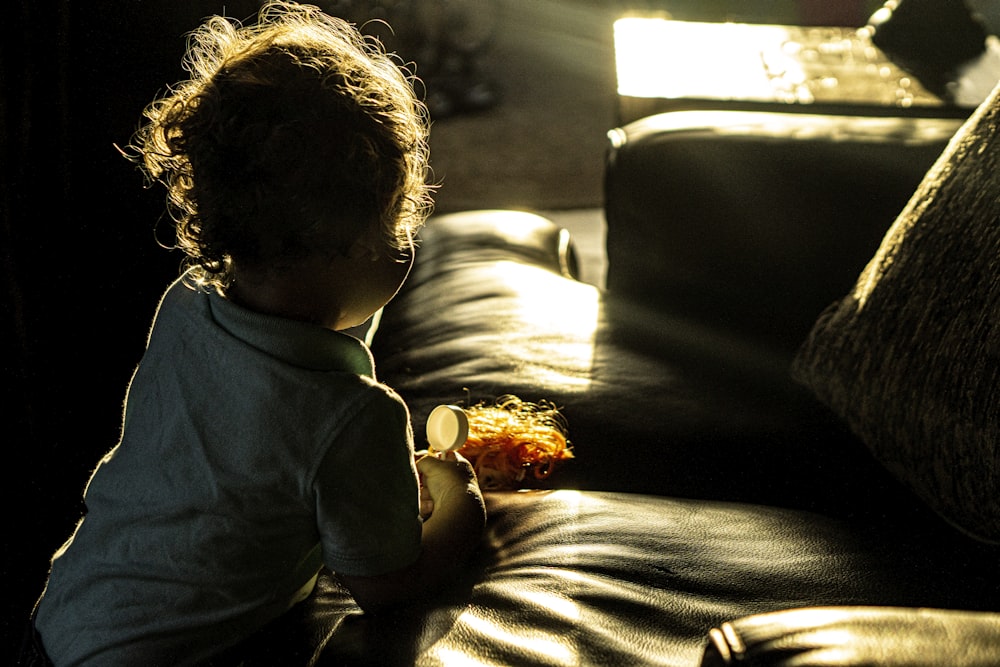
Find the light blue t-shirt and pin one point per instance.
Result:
(254, 449)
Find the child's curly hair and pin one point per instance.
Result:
(292, 136)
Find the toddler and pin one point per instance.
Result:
(257, 445)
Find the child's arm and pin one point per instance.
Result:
(450, 535)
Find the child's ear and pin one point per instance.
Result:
(363, 248)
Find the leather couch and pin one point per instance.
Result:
(715, 513)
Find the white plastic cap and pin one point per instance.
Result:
(447, 428)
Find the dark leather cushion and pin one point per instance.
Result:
(569, 577)
(756, 221)
(655, 403)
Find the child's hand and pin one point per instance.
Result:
(426, 502)
(442, 477)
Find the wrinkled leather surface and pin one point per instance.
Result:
(754, 221)
(587, 578)
(655, 403)
(894, 637)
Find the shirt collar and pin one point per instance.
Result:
(298, 343)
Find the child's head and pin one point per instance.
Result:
(294, 136)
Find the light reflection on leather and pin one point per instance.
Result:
(566, 326)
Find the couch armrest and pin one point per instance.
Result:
(828, 636)
(477, 236)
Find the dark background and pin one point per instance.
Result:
(82, 269)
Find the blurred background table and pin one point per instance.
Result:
(666, 65)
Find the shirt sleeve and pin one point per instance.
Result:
(367, 493)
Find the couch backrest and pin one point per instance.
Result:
(755, 221)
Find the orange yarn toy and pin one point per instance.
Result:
(510, 444)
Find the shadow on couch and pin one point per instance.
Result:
(656, 403)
